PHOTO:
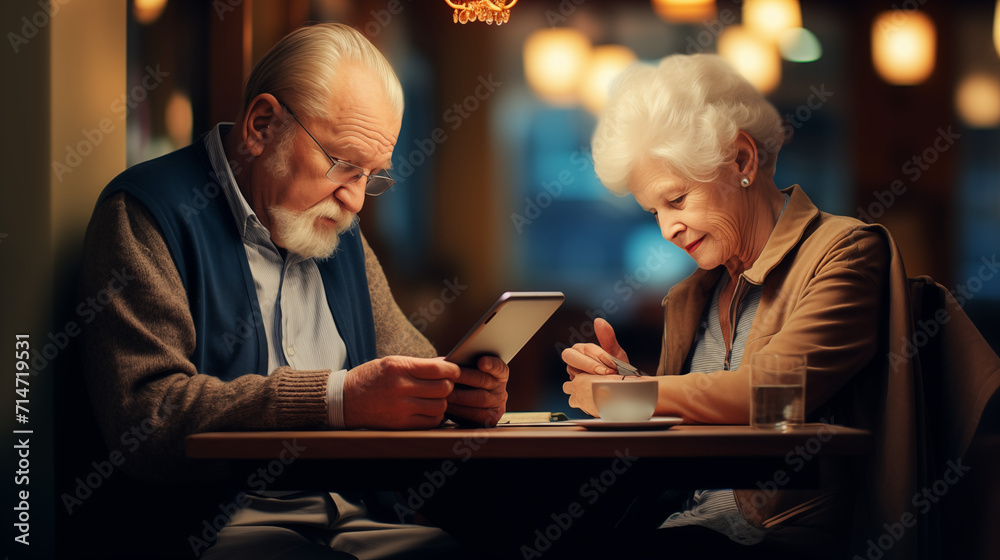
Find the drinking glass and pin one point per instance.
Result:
(777, 391)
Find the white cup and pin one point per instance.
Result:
(632, 400)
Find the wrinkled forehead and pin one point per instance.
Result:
(361, 119)
(651, 175)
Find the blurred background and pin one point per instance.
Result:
(894, 105)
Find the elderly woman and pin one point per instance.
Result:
(697, 146)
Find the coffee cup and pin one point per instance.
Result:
(631, 400)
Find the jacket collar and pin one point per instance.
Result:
(787, 233)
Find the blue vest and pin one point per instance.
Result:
(181, 191)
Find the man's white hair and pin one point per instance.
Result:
(300, 68)
(686, 112)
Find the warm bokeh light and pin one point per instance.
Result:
(684, 11)
(977, 100)
(606, 62)
(799, 45)
(554, 61)
(146, 11)
(996, 27)
(179, 119)
(753, 57)
(903, 46)
(769, 18)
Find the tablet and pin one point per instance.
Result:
(506, 327)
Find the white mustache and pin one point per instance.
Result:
(327, 209)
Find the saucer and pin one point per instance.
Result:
(654, 423)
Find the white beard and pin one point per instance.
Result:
(300, 232)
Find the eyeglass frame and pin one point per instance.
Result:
(337, 161)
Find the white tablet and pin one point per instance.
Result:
(506, 327)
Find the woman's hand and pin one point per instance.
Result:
(586, 363)
(581, 392)
(588, 358)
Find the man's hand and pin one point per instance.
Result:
(480, 396)
(593, 359)
(399, 392)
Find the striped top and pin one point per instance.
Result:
(717, 509)
(710, 353)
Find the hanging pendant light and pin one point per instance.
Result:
(489, 11)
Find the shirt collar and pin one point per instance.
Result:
(242, 213)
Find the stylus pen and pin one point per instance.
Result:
(625, 368)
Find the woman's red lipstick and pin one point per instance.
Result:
(694, 244)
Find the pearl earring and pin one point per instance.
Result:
(744, 182)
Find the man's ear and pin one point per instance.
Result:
(747, 159)
(255, 128)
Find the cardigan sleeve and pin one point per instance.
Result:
(394, 334)
(137, 348)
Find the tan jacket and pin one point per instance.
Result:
(834, 289)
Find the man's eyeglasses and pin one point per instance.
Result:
(344, 173)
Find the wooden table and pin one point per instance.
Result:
(697, 456)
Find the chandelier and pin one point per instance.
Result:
(490, 11)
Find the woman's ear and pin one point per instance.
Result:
(747, 160)
(255, 126)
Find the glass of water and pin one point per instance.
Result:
(777, 391)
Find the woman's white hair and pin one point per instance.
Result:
(687, 112)
(300, 68)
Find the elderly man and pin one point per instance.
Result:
(255, 302)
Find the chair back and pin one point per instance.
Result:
(960, 375)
